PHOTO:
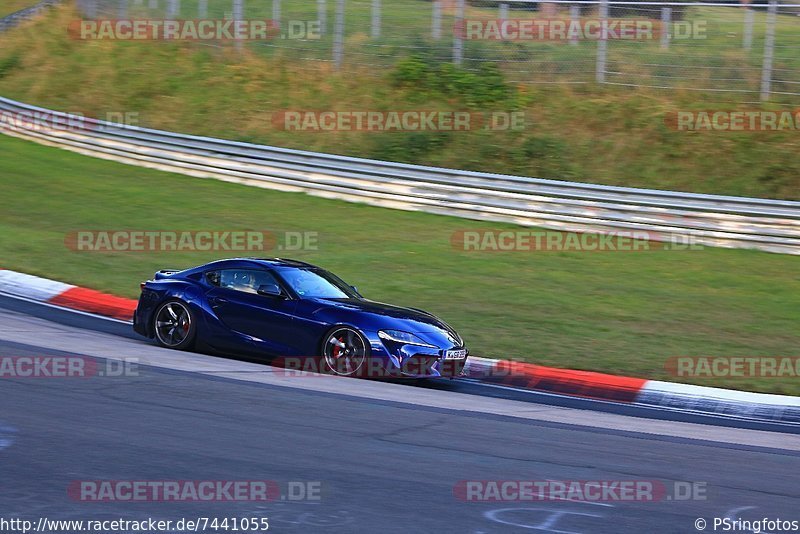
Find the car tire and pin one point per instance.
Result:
(344, 351)
(174, 325)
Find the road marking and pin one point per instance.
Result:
(548, 523)
(730, 515)
(6, 438)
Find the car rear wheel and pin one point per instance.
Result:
(344, 351)
(174, 325)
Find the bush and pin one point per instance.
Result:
(477, 88)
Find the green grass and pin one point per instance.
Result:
(624, 313)
(12, 6)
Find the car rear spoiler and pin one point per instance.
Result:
(164, 273)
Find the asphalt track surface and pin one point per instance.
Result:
(386, 456)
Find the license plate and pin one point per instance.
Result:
(455, 354)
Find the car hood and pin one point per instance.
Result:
(380, 316)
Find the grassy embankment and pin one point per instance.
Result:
(601, 134)
(12, 6)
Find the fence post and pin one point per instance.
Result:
(173, 8)
(458, 42)
(322, 16)
(436, 20)
(574, 15)
(769, 50)
(276, 12)
(338, 35)
(666, 19)
(602, 46)
(749, 15)
(238, 10)
(202, 9)
(152, 4)
(503, 11)
(122, 10)
(376, 18)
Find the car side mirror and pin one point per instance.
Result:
(270, 290)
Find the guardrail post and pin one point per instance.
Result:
(202, 9)
(122, 9)
(666, 20)
(376, 19)
(276, 12)
(749, 15)
(458, 30)
(338, 35)
(503, 11)
(322, 17)
(574, 14)
(602, 46)
(436, 20)
(769, 51)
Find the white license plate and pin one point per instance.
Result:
(455, 354)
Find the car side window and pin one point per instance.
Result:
(246, 280)
(212, 278)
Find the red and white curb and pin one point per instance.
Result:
(517, 375)
(65, 295)
(638, 391)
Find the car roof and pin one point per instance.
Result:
(263, 262)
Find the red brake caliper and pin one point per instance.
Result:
(337, 349)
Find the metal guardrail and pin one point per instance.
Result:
(9, 21)
(713, 220)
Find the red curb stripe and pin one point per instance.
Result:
(92, 301)
(565, 381)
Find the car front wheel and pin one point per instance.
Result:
(344, 351)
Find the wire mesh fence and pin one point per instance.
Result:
(742, 52)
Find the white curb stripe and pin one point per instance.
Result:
(688, 391)
(32, 287)
(725, 402)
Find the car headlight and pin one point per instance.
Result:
(407, 338)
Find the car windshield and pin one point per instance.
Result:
(316, 283)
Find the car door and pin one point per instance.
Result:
(267, 321)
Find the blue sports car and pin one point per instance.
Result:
(302, 314)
